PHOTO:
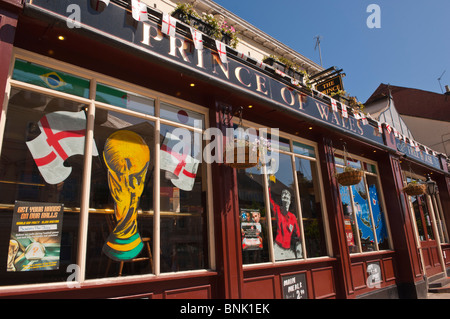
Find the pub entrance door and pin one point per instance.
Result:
(429, 246)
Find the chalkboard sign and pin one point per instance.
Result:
(294, 286)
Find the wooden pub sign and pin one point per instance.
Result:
(331, 85)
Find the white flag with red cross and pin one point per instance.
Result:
(182, 167)
(197, 37)
(139, 10)
(388, 128)
(168, 25)
(222, 51)
(334, 105)
(344, 110)
(62, 136)
(364, 119)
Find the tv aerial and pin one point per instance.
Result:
(317, 37)
(439, 80)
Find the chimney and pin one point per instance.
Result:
(447, 90)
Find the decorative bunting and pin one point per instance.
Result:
(139, 10)
(197, 37)
(261, 65)
(168, 25)
(364, 119)
(222, 51)
(388, 128)
(280, 73)
(333, 105)
(242, 56)
(344, 110)
(319, 94)
(395, 132)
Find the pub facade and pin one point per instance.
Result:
(98, 199)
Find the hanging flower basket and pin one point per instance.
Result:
(245, 155)
(414, 189)
(349, 176)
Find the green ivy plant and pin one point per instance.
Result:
(218, 28)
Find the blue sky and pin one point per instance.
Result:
(411, 49)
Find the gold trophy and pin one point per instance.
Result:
(12, 251)
(127, 157)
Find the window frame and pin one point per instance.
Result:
(435, 211)
(325, 225)
(363, 160)
(94, 78)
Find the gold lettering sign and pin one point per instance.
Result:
(332, 85)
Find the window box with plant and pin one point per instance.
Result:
(285, 65)
(289, 68)
(343, 97)
(206, 23)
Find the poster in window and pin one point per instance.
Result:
(35, 241)
(349, 232)
(127, 158)
(251, 229)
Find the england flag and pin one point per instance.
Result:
(62, 135)
(197, 37)
(168, 25)
(182, 168)
(139, 10)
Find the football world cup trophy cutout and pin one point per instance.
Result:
(127, 157)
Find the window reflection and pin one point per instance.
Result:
(22, 179)
(253, 217)
(114, 190)
(364, 216)
(283, 205)
(308, 185)
(349, 219)
(183, 204)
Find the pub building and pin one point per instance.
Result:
(97, 201)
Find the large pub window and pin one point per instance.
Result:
(366, 227)
(427, 210)
(131, 204)
(281, 205)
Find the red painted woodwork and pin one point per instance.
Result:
(201, 292)
(336, 220)
(359, 271)
(322, 283)
(403, 236)
(266, 287)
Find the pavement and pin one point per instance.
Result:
(439, 289)
(438, 296)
